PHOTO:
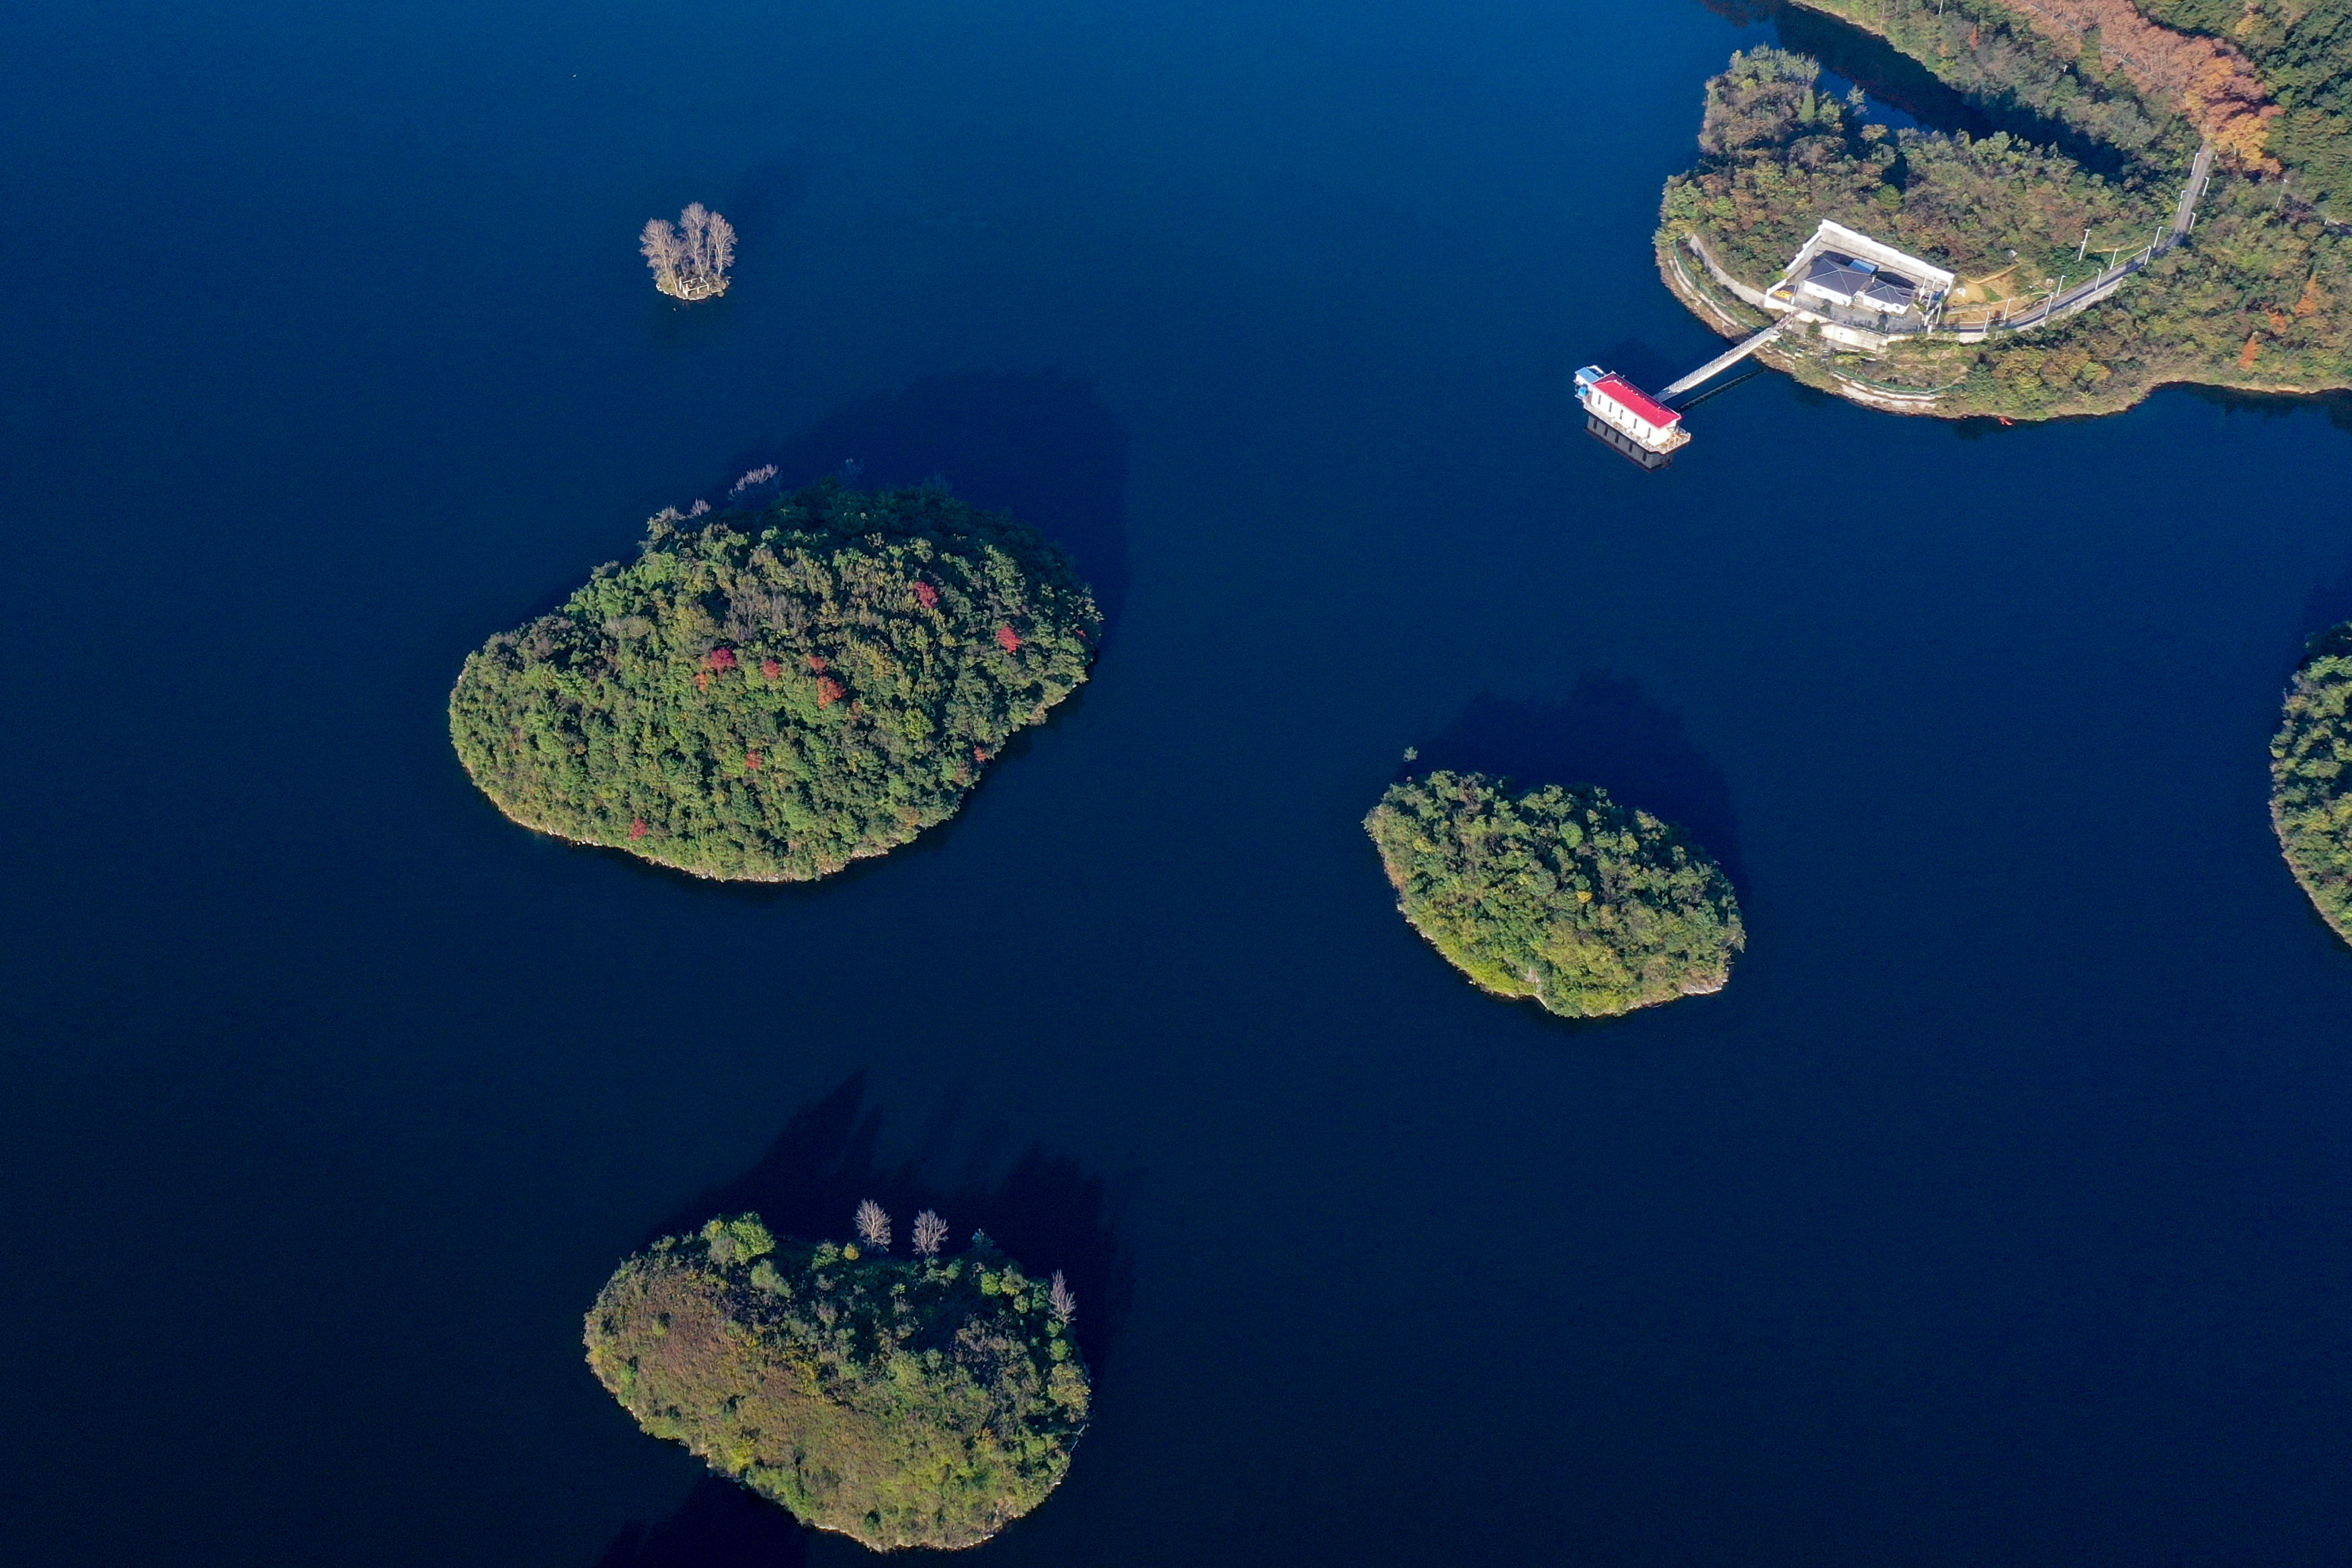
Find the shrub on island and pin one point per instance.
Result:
(915, 1402)
(1560, 894)
(766, 695)
(2311, 785)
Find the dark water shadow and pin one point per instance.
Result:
(761, 197)
(1895, 78)
(1981, 426)
(2336, 405)
(1606, 732)
(720, 1525)
(679, 327)
(2328, 607)
(1887, 74)
(1046, 1212)
(1038, 445)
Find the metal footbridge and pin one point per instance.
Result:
(1723, 361)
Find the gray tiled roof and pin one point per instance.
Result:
(1879, 291)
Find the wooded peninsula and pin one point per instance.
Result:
(769, 694)
(2110, 101)
(920, 1401)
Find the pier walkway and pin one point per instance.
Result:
(1724, 362)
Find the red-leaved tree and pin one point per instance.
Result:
(772, 669)
(720, 659)
(1008, 639)
(829, 691)
(637, 829)
(928, 594)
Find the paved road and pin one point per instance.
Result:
(2185, 212)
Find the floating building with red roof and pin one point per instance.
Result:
(1628, 418)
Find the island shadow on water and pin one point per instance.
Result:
(1045, 1213)
(1896, 80)
(1037, 445)
(1606, 732)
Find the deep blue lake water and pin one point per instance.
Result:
(1995, 1214)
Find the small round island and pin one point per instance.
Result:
(1558, 895)
(767, 695)
(924, 1401)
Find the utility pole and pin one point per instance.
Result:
(2084, 246)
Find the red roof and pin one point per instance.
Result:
(1634, 398)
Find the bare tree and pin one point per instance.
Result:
(874, 1226)
(662, 252)
(1063, 1300)
(689, 260)
(759, 476)
(930, 1231)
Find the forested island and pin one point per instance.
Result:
(922, 1401)
(2113, 101)
(2311, 778)
(1560, 894)
(767, 694)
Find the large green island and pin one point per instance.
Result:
(2112, 101)
(924, 1401)
(2311, 778)
(767, 695)
(1562, 896)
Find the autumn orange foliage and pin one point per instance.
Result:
(1008, 639)
(829, 691)
(2246, 355)
(2213, 84)
(771, 669)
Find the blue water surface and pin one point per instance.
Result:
(1995, 1214)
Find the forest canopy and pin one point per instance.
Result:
(2311, 778)
(2270, 82)
(924, 1401)
(1560, 894)
(769, 694)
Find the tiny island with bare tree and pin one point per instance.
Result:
(690, 258)
(925, 1401)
